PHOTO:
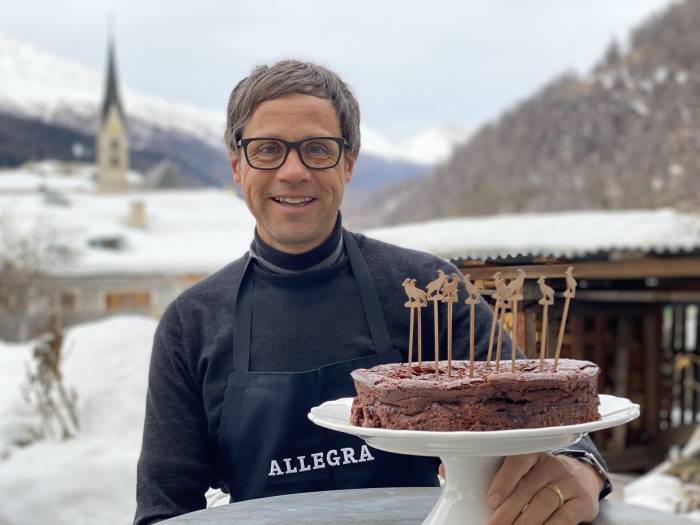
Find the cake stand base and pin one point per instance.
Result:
(463, 498)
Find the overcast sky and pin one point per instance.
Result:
(412, 64)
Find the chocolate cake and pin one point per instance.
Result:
(388, 396)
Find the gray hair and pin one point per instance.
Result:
(286, 77)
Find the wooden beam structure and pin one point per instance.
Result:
(659, 267)
(638, 296)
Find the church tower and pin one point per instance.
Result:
(112, 145)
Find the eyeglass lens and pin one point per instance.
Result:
(316, 153)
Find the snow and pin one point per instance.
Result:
(92, 477)
(187, 231)
(561, 234)
(435, 144)
(199, 231)
(53, 175)
(661, 491)
(38, 84)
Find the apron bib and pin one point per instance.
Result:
(267, 445)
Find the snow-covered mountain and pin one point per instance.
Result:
(40, 85)
(435, 144)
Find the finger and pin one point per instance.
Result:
(572, 512)
(513, 507)
(530, 484)
(525, 493)
(508, 476)
(543, 504)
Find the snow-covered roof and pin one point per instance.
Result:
(54, 175)
(200, 231)
(193, 231)
(569, 234)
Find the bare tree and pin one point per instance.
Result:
(45, 390)
(27, 255)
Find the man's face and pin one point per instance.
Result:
(288, 227)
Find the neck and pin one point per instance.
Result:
(277, 260)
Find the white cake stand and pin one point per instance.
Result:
(471, 459)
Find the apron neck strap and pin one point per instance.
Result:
(243, 315)
(369, 296)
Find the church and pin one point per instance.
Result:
(112, 142)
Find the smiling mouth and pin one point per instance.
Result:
(297, 202)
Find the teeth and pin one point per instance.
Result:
(294, 201)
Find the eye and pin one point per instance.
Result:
(265, 148)
(317, 148)
(269, 148)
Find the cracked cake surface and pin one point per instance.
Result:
(391, 396)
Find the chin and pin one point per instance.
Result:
(291, 237)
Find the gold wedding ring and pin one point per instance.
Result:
(557, 491)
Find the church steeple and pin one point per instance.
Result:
(112, 143)
(112, 86)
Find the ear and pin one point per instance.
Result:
(349, 165)
(236, 169)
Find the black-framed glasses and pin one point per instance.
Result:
(316, 153)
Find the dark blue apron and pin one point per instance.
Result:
(268, 446)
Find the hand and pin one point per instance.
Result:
(519, 494)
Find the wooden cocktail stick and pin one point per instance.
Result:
(410, 341)
(515, 294)
(436, 338)
(450, 294)
(500, 336)
(498, 303)
(473, 299)
(546, 301)
(502, 293)
(420, 338)
(569, 293)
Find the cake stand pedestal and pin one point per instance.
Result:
(471, 459)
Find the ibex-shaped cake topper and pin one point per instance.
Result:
(449, 292)
(416, 296)
(474, 297)
(434, 291)
(434, 287)
(568, 295)
(498, 296)
(515, 294)
(417, 299)
(546, 301)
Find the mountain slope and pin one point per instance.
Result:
(623, 136)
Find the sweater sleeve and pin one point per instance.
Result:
(173, 468)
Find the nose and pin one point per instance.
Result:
(293, 170)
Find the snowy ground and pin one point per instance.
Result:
(92, 477)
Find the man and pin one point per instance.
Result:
(240, 358)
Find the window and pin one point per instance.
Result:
(68, 302)
(108, 242)
(127, 300)
(193, 278)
